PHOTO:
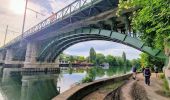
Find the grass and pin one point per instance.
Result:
(165, 86)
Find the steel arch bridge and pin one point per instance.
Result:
(52, 50)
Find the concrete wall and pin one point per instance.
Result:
(80, 91)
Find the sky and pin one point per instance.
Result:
(11, 14)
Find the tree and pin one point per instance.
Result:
(150, 18)
(111, 60)
(80, 58)
(119, 61)
(71, 59)
(100, 59)
(124, 61)
(147, 60)
(92, 55)
(167, 50)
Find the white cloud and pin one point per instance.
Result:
(104, 47)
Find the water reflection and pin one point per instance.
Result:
(45, 86)
(34, 87)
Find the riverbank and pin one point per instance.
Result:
(80, 91)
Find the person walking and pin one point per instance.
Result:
(143, 68)
(147, 74)
(134, 72)
(156, 71)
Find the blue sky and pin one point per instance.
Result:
(11, 14)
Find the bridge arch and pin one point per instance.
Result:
(56, 46)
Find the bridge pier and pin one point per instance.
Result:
(36, 85)
(1, 58)
(9, 62)
(31, 57)
(9, 56)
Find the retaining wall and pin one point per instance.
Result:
(80, 91)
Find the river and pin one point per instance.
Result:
(47, 86)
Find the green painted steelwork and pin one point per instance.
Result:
(55, 47)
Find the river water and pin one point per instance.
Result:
(46, 86)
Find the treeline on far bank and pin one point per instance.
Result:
(98, 59)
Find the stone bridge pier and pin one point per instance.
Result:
(25, 57)
(32, 51)
(1, 58)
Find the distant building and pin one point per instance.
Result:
(105, 65)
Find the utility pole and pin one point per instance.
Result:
(23, 25)
(5, 34)
(25, 13)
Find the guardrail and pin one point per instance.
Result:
(68, 10)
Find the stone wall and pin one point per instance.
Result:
(80, 91)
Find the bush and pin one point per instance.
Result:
(162, 76)
(86, 80)
(166, 89)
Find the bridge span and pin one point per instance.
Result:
(82, 20)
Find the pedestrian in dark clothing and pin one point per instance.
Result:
(143, 68)
(134, 72)
(147, 74)
(156, 71)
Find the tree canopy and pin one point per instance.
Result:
(151, 19)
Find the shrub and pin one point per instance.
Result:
(87, 79)
(161, 76)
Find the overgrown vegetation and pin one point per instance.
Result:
(147, 60)
(166, 90)
(151, 19)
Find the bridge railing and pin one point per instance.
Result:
(61, 14)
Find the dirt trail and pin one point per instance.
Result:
(134, 90)
(150, 91)
(156, 85)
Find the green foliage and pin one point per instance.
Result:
(151, 19)
(167, 42)
(92, 56)
(147, 60)
(161, 75)
(124, 61)
(80, 58)
(100, 58)
(86, 80)
(119, 61)
(111, 60)
(91, 75)
(165, 85)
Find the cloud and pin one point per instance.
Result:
(14, 20)
(104, 47)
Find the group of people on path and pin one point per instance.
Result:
(146, 73)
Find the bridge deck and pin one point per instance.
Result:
(76, 11)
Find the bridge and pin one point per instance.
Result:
(82, 20)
